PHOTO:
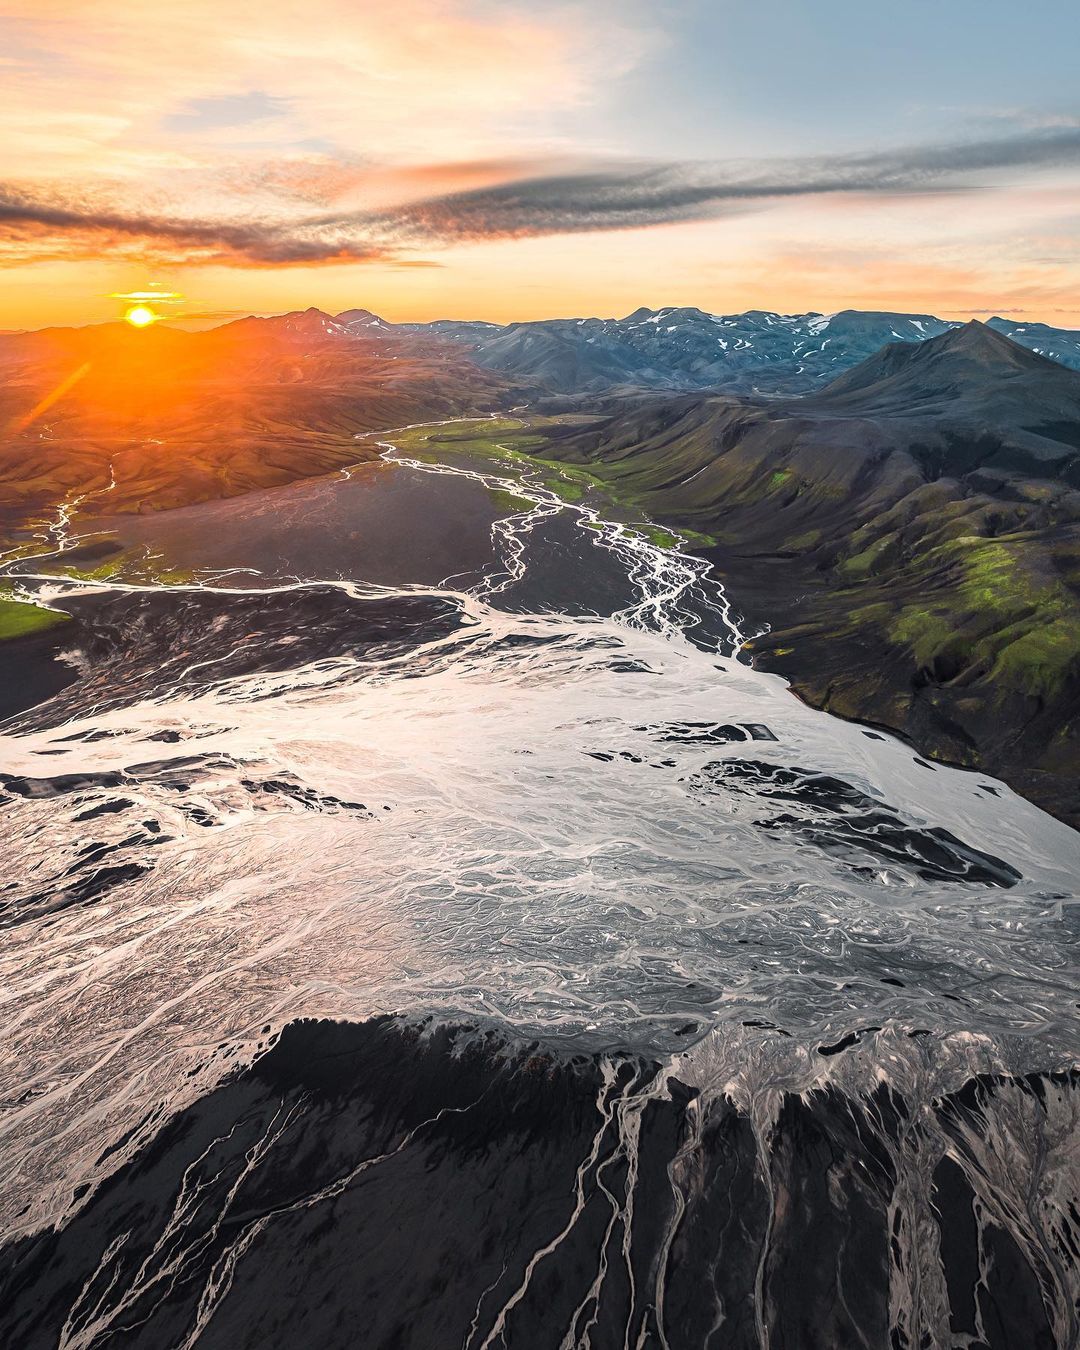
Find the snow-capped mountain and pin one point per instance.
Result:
(757, 352)
(686, 348)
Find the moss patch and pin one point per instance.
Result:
(922, 630)
(484, 438)
(803, 543)
(992, 614)
(104, 572)
(864, 563)
(509, 502)
(18, 618)
(661, 538)
(698, 538)
(1040, 661)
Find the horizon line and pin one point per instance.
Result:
(175, 323)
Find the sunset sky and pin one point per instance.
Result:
(502, 160)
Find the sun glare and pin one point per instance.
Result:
(140, 316)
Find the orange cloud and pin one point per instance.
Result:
(442, 78)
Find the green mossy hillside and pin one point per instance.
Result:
(946, 608)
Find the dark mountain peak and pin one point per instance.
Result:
(877, 316)
(667, 314)
(876, 325)
(1011, 327)
(970, 360)
(300, 318)
(966, 334)
(307, 318)
(985, 346)
(684, 314)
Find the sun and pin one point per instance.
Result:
(140, 316)
(143, 308)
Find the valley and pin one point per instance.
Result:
(904, 540)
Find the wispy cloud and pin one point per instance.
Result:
(652, 195)
(608, 197)
(36, 227)
(229, 110)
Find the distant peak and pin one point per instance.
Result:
(971, 358)
(358, 316)
(975, 336)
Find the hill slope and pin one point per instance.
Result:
(170, 417)
(911, 533)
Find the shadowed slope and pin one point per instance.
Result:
(912, 534)
(531, 1197)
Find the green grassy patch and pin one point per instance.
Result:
(497, 438)
(803, 543)
(992, 579)
(18, 618)
(698, 538)
(661, 538)
(1040, 660)
(522, 447)
(1018, 629)
(130, 567)
(172, 576)
(567, 481)
(484, 438)
(103, 572)
(863, 564)
(510, 502)
(569, 492)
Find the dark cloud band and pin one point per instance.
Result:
(609, 198)
(652, 195)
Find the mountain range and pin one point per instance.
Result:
(686, 348)
(673, 349)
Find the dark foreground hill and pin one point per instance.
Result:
(911, 534)
(348, 1154)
